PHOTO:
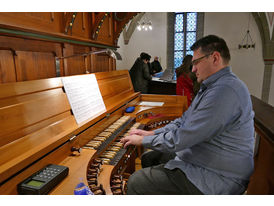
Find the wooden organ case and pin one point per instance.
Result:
(37, 128)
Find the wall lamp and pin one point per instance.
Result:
(247, 45)
(247, 40)
(109, 52)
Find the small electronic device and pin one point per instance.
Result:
(43, 181)
(130, 109)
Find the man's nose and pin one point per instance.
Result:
(194, 69)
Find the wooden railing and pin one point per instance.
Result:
(262, 180)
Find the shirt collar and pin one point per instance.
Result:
(214, 77)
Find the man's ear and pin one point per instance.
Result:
(216, 57)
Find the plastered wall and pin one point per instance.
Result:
(248, 64)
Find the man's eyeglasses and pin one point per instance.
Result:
(196, 61)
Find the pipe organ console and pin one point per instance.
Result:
(37, 128)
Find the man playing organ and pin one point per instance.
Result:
(211, 144)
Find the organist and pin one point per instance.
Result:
(212, 142)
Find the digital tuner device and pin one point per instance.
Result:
(43, 181)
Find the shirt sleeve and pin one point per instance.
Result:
(175, 124)
(215, 111)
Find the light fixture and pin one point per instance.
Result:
(247, 40)
(139, 26)
(145, 25)
(109, 52)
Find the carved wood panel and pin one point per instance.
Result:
(102, 63)
(97, 18)
(24, 44)
(106, 29)
(20, 59)
(7, 66)
(103, 27)
(34, 65)
(82, 25)
(40, 21)
(75, 65)
(26, 57)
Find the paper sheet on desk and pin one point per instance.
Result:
(143, 103)
(157, 79)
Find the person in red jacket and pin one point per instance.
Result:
(185, 79)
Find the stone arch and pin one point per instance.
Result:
(268, 51)
(127, 32)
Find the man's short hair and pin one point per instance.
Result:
(145, 56)
(211, 43)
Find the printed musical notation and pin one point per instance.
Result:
(84, 96)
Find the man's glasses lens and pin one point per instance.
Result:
(196, 61)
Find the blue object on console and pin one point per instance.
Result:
(82, 189)
(130, 109)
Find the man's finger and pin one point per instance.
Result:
(134, 131)
(126, 144)
(124, 140)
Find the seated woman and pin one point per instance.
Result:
(186, 80)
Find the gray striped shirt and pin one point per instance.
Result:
(214, 139)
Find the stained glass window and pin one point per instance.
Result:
(191, 21)
(179, 22)
(191, 38)
(179, 43)
(178, 58)
(185, 35)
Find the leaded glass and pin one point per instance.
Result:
(178, 58)
(179, 23)
(179, 41)
(190, 39)
(191, 21)
(184, 38)
(189, 52)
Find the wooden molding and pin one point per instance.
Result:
(97, 23)
(120, 25)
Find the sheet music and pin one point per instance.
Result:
(84, 96)
(144, 103)
(157, 79)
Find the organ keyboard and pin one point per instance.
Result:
(37, 128)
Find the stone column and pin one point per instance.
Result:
(170, 40)
(266, 82)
